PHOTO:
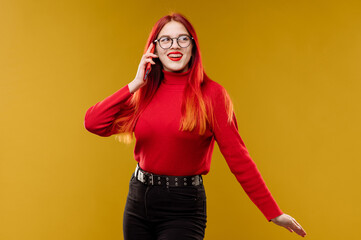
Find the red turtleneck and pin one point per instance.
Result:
(162, 149)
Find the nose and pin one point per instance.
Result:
(174, 43)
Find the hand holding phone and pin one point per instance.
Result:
(143, 69)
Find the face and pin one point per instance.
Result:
(172, 63)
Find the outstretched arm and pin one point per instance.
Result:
(238, 158)
(244, 168)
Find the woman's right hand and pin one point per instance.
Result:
(139, 81)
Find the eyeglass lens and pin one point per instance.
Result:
(183, 41)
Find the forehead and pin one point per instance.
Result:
(173, 29)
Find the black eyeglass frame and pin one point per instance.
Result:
(157, 40)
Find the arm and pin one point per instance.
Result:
(242, 166)
(238, 159)
(100, 117)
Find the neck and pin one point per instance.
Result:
(176, 78)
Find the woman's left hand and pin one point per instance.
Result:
(289, 223)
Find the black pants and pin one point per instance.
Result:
(164, 213)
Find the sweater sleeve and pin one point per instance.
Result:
(238, 158)
(100, 117)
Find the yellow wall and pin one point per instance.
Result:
(292, 69)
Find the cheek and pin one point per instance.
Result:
(162, 56)
(189, 53)
(158, 51)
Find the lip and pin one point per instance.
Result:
(174, 53)
(175, 59)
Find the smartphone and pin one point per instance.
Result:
(148, 68)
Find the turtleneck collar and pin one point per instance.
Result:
(173, 78)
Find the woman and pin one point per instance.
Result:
(176, 114)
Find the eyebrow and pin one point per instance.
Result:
(178, 35)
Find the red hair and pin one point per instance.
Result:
(196, 110)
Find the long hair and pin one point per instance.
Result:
(196, 110)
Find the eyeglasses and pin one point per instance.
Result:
(166, 42)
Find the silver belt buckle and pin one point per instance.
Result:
(141, 176)
(136, 171)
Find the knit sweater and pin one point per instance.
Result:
(162, 149)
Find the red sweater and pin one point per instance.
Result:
(162, 149)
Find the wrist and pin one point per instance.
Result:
(276, 218)
(133, 86)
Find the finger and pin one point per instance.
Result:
(149, 60)
(299, 226)
(299, 230)
(301, 233)
(294, 220)
(150, 55)
(150, 47)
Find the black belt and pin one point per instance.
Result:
(164, 180)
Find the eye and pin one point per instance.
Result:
(184, 38)
(164, 39)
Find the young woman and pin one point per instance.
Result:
(176, 114)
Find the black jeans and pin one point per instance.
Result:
(164, 213)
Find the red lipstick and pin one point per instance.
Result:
(175, 58)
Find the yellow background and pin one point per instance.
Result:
(292, 69)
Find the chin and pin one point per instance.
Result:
(178, 69)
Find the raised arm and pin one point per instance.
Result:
(100, 117)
